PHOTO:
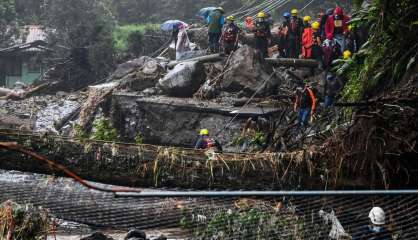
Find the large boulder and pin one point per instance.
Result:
(128, 67)
(184, 80)
(249, 72)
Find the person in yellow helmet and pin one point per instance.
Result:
(317, 43)
(307, 21)
(295, 34)
(230, 34)
(262, 33)
(205, 142)
(347, 54)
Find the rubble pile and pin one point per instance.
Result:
(23, 222)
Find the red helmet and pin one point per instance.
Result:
(338, 11)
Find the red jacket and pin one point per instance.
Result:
(330, 25)
(307, 43)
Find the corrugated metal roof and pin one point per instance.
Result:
(34, 33)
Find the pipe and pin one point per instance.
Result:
(216, 194)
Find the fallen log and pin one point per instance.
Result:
(149, 165)
(290, 62)
(203, 59)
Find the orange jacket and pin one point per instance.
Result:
(307, 42)
(298, 100)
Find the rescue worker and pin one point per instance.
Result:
(307, 39)
(332, 88)
(324, 20)
(249, 24)
(317, 43)
(230, 35)
(283, 42)
(376, 230)
(215, 20)
(295, 34)
(347, 55)
(305, 102)
(262, 34)
(336, 28)
(307, 21)
(206, 143)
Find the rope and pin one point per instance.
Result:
(249, 100)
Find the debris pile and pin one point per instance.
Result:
(23, 222)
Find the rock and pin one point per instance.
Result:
(248, 71)
(184, 80)
(97, 236)
(162, 237)
(135, 234)
(129, 67)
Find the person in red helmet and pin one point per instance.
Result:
(336, 27)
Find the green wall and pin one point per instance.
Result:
(26, 76)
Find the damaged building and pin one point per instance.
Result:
(25, 61)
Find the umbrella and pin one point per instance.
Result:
(204, 12)
(170, 24)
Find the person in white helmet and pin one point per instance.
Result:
(376, 230)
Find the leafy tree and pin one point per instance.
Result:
(81, 24)
(8, 22)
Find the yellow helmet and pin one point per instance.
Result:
(230, 18)
(350, 27)
(294, 12)
(316, 25)
(307, 19)
(261, 15)
(204, 132)
(346, 54)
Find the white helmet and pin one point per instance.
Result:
(377, 216)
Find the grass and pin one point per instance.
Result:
(122, 33)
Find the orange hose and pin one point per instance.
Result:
(13, 146)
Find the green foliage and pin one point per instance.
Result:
(252, 223)
(8, 22)
(139, 139)
(79, 132)
(83, 24)
(125, 36)
(104, 131)
(390, 48)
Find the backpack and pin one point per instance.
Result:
(294, 25)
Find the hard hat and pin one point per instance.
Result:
(377, 216)
(230, 18)
(316, 25)
(346, 54)
(350, 27)
(286, 14)
(294, 12)
(204, 132)
(307, 18)
(221, 9)
(261, 15)
(338, 11)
